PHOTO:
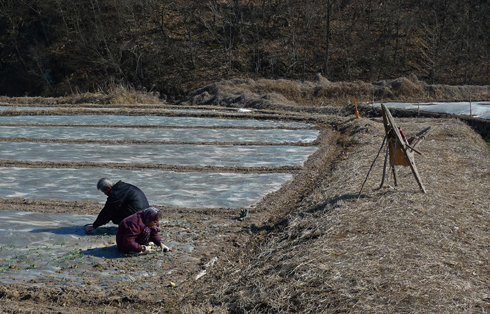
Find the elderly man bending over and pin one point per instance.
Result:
(123, 200)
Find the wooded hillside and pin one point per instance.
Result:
(55, 47)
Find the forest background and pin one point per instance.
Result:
(57, 47)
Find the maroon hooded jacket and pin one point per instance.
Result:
(133, 231)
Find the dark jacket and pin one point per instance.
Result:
(124, 200)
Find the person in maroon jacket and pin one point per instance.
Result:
(138, 230)
(123, 200)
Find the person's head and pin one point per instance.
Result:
(104, 185)
(152, 216)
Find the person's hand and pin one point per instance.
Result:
(146, 249)
(164, 248)
(90, 229)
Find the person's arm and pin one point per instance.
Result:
(107, 212)
(103, 218)
(154, 236)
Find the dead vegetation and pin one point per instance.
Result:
(393, 250)
(322, 92)
(273, 94)
(113, 94)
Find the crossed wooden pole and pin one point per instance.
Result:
(400, 150)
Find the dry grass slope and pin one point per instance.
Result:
(112, 95)
(264, 93)
(394, 250)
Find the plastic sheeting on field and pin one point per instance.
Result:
(479, 109)
(165, 188)
(145, 120)
(54, 250)
(160, 134)
(202, 155)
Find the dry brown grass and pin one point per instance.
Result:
(322, 92)
(341, 90)
(112, 95)
(264, 93)
(394, 250)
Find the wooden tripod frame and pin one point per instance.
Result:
(400, 150)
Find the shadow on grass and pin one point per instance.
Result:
(110, 252)
(320, 207)
(345, 198)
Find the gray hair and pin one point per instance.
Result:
(104, 183)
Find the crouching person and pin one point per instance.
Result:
(136, 231)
